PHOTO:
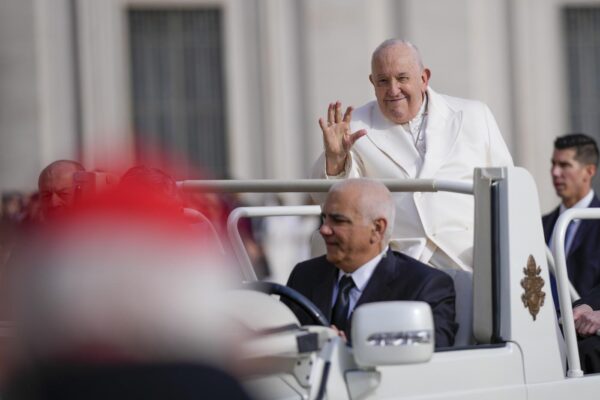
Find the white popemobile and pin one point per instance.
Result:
(509, 345)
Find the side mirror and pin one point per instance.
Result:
(392, 332)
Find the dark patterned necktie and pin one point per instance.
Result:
(339, 314)
(569, 235)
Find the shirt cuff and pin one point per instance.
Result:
(577, 303)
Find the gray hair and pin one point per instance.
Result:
(394, 42)
(375, 201)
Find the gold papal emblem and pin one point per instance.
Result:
(533, 297)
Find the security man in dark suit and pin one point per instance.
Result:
(359, 267)
(574, 164)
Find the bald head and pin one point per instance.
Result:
(412, 50)
(371, 199)
(357, 218)
(56, 186)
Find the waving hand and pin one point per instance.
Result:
(337, 138)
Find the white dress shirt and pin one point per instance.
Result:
(360, 277)
(583, 203)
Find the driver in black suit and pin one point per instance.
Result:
(359, 267)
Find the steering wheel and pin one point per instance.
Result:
(293, 296)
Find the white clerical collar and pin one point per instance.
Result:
(583, 203)
(362, 275)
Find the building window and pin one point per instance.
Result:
(583, 59)
(177, 80)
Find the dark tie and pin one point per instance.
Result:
(339, 314)
(569, 235)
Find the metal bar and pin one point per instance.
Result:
(320, 185)
(195, 214)
(551, 265)
(562, 279)
(266, 211)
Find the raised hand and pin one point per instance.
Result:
(337, 138)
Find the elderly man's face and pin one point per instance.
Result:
(350, 238)
(56, 190)
(399, 83)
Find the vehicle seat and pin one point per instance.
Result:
(463, 285)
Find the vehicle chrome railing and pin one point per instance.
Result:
(562, 283)
(197, 215)
(551, 267)
(321, 185)
(300, 186)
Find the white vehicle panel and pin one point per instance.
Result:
(585, 387)
(459, 373)
(544, 360)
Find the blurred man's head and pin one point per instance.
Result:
(574, 164)
(12, 206)
(357, 218)
(56, 187)
(400, 80)
(152, 182)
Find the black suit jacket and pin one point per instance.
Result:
(592, 299)
(583, 259)
(396, 277)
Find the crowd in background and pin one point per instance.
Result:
(21, 212)
(268, 241)
(18, 210)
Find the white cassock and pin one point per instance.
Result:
(433, 227)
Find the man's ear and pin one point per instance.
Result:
(592, 170)
(425, 76)
(379, 225)
(371, 79)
